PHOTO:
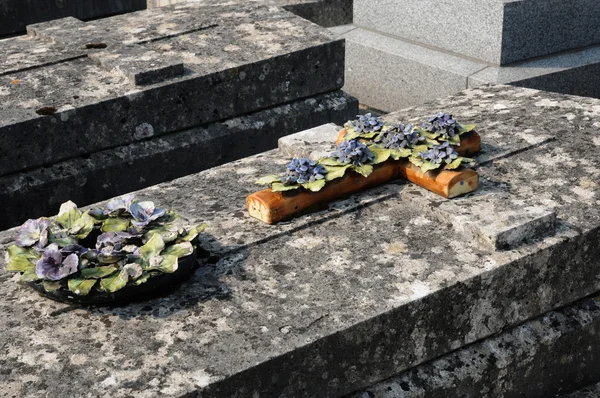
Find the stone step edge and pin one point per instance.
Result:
(552, 354)
(244, 133)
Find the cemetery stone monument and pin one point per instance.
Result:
(94, 109)
(404, 52)
(392, 289)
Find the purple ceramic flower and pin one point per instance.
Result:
(33, 232)
(52, 266)
(121, 203)
(144, 213)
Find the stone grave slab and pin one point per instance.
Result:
(339, 299)
(548, 356)
(236, 60)
(100, 175)
(322, 12)
(15, 15)
(495, 31)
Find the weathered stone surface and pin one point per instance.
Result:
(15, 15)
(390, 74)
(592, 391)
(337, 300)
(303, 144)
(237, 60)
(572, 72)
(139, 65)
(545, 357)
(495, 31)
(322, 12)
(119, 170)
(397, 73)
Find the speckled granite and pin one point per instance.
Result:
(592, 391)
(15, 15)
(322, 12)
(99, 176)
(337, 300)
(236, 60)
(545, 357)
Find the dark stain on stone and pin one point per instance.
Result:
(46, 111)
(91, 46)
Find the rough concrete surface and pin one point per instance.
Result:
(337, 300)
(326, 13)
(390, 73)
(101, 175)
(494, 31)
(544, 357)
(15, 15)
(237, 60)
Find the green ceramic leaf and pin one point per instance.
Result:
(61, 238)
(334, 172)
(466, 128)
(115, 282)
(193, 233)
(14, 250)
(169, 231)
(400, 153)
(82, 227)
(459, 161)
(370, 135)
(314, 186)
(268, 179)
(417, 161)
(429, 143)
(454, 140)
(429, 134)
(420, 148)
(428, 166)
(51, 286)
(331, 162)
(115, 224)
(364, 170)
(81, 287)
(68, 214)
(153, 247)
(99, 272)
(167, 264)
(20, 259)
(20, 263)
(142, 279)
(280, 187)
(350, 132)
(180, 250)
(381, 154)
(29, 276)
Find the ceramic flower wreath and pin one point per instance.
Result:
(125, 243)
(369, 142)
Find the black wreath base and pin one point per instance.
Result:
(152, 288)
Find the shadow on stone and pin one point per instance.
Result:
(204, 284)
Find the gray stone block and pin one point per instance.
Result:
(139, 65)
(236, 62)
(312, 143)
(545, 357)
(496, 220)
(105, 174)
(337, 300)
(575, 72)
(15, 15)
(389, 74)
(495, 31)
(322, 12)
(591, 391)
